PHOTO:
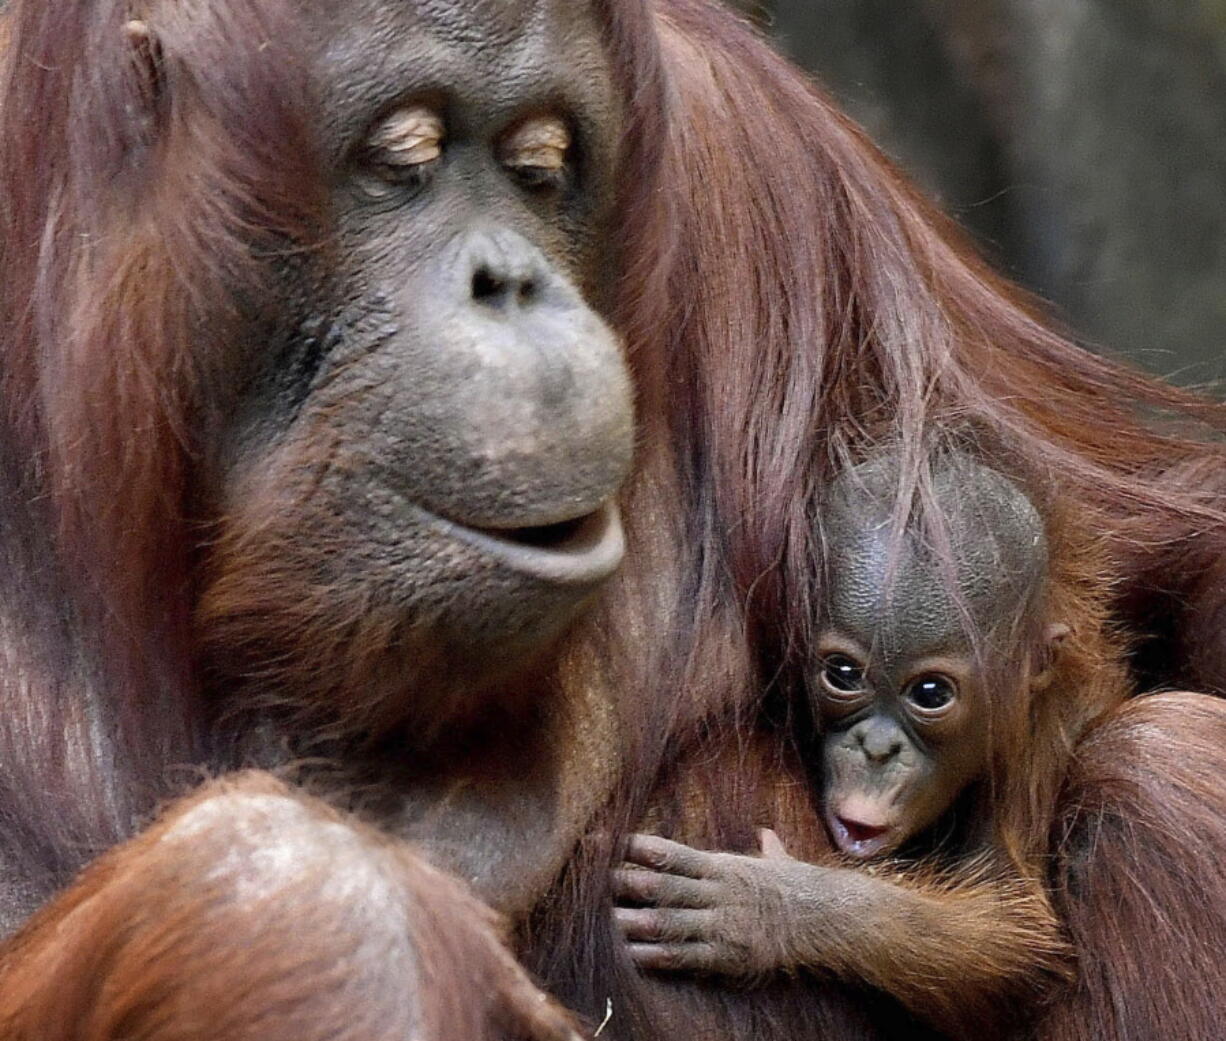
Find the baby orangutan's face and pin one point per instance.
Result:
(904, 703)
(904, 737)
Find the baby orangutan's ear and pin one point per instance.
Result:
(1049, 651)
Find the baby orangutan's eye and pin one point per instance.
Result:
(932, 693)
(842, 675)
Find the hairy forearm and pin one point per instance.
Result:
(346, 935)
(950, 952)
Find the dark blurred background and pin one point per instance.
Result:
(1083, 142)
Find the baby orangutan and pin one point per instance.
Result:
(951, 690)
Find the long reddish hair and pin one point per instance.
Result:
(136, 199)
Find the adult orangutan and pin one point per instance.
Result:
(313, 419)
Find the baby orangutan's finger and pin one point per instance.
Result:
(662, 926)
(665, 855)
(674, 957)
(639, 886)
(772, 845)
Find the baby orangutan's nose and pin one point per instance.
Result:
(881, 740)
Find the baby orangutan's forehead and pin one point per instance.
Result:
(978, 554)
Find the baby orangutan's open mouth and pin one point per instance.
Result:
(857, 838)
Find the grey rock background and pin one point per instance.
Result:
(1083, 142)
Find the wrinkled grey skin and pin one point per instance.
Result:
(419, 428)
(891, 771)
(997, 548)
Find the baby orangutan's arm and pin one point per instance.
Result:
(950, 952)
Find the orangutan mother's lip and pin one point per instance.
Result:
(578, 554)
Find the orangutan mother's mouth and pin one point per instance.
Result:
(579, 552)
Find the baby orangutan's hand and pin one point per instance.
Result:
(711, 913)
